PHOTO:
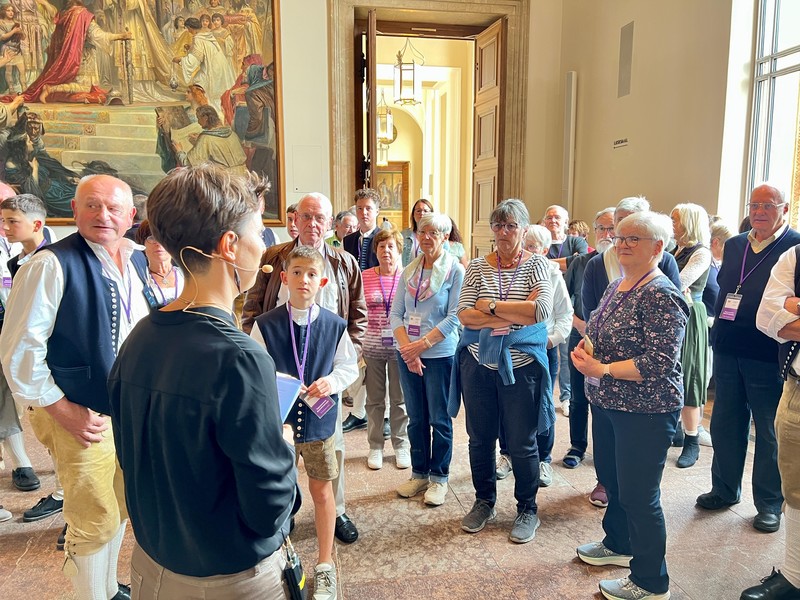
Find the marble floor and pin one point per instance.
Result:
(408, 550)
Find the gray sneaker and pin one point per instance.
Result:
(503, 467)
(525, 526)
(545, 474)
(476, 519)
(325, 582)
(625, 589)
(595, 553)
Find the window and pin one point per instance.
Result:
(775, 146)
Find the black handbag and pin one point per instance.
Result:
(293, 573)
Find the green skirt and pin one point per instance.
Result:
(694, 357)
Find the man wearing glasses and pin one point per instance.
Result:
(343, 295)
(746, 365)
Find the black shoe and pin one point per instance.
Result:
(347, 401)
(773, 587)
(690, 452)
(677, 439)
(43, 509)
(346, 531)
(352, 422)
(387, 430)
(25, 479)
(767, 522)
(123, 593)
(62, 538)
(712, 501)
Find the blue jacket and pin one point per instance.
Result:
(531, 339)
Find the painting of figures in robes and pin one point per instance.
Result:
(135, 88)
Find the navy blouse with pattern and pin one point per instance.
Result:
(647, 327)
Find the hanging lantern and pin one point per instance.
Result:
(407, 79)
(385, 126)
(383, 155)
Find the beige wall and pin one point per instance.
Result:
(673, 117)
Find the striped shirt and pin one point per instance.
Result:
(480, 281)
(377, 319)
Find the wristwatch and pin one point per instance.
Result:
(607, 372)
(492, 306)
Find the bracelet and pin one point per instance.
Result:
(427, 341)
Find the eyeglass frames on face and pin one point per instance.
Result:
(601, 229)
(631, 241)
(764, 205)
(430, 234)
(509, 227)
(318, 219)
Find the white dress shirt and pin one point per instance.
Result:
(7, 252)
(31, 316)
(559, 323)
(772, 316)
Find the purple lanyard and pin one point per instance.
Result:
(600, 322)
(388, 302)
(561, 248)
(419, 284)
(513, 277)
(742, 276)
(301, 366)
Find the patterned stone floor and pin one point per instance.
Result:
(408, 550)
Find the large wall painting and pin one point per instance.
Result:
(135, 88)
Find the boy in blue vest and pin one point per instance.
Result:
(312, 344)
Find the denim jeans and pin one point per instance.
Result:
(430, 429)
(744, 387)
(487, 404)
(545, 441)
(564, 387)
(578, 405)
(630, 453)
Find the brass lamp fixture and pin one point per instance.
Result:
(385, 121)
(383, 155)
(407, 80)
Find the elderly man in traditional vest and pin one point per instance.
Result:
(71, 307)
(746, 363)
(344, 296)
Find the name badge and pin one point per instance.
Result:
(387, 338)
(414, 324)
(6, 282)
(498, 331)
(320, 406)
(595, 381)
(731, 307)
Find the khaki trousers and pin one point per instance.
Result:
(151, 581)
(94, 492)
(787, 431)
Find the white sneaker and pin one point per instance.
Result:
(5, 515)
(545, 474)
(325, 582)
(565, 408)
(375, 459)
(402, 457)
(412, 487)
(503, 466)
(435, 494)
(704, 437)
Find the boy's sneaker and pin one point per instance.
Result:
(476, 519)
(5, 515)
(324, 582)
(375, 459)
(596, 554)
(704, 437)
(503, 467)
(524, 529)
(412, 487)
(545, 474)
(565, 408)
(434, 496)
(599, 497)
(625, 589)
(402, 458)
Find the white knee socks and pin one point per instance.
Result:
(112, 587)
(90, 581)
(15, 444)
(791, 567)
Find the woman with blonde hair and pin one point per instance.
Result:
(693, 237)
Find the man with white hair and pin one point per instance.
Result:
(344, 296)
(746, 367)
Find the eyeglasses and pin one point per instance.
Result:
(319, 219)
(764, 205)
(601, 229)
(430, 234)
(150, 240)
(631, 241)
(509, 227)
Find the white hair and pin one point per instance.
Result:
(657, 225)
(438, 221)
(633, 204)
(606, 211)
(538, 236)
(560, 209)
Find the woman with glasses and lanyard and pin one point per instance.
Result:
(165, 278)
(425, 325)
(502, 367)
(631, 360)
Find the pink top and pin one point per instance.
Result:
(379, 293)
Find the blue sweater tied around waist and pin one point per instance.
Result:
(496, 350)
